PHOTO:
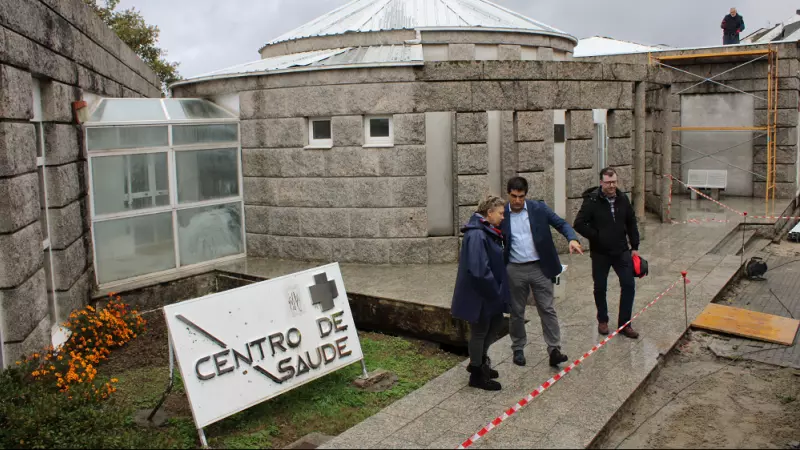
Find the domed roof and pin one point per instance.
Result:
(384, 15)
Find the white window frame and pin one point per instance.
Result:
(380, 141)
(319, 143)
(174, 206)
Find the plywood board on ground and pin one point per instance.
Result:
(749, 324)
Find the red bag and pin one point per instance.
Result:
(640, 268)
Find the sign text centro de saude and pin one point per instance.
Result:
(241, 347)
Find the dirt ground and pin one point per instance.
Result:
(697, 400)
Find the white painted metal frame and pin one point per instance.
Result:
(381, 141)
(319, 143)
(174, 205)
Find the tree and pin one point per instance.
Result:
(142, 38)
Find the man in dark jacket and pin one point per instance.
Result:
(533, 263)
(732, 25)
(607, 220)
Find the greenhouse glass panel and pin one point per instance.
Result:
(207, 174)
(135, 246)
(128, 110)
(121, 138)
(210, 232)
(129, 182)
(202, 134)
(194, 109)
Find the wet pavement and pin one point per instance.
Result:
(445, 412)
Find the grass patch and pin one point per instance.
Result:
(329, 405)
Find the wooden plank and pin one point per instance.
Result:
(749, 324)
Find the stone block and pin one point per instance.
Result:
(408, 192)
(461, 52)
(408, 251)
(16, 94)
(535, 156)
(784, 173)
(606, 95)
(574, 70)
(443, 96)
(554, 95)
(64, 184)
(534, 125)
(624, 72)
(786, 154)
(545, 54)
(332, 100)
(21, 255)
(509, 52)
(348, 130)
(472, 188)
(316, 249)
(57, 101)
(19, 201)
(499, 95)
(66, 224)
(274, 133)
(62, 145)
(389, 222)
(371, 193)
(464, 214)
(783, 190)
(260, 191)
(405, 161)
(786, 118)
(260, 245)
(514, 70)
(540, 186)
(75, 298)
(363, 251)
(257, 219)
(784, 136)
(625, 177)
(69, 264)
(17, 148)
(472, 127)
(352, 162)
(37, 340)
(620, 152)
(579, 180)
(303, 163)
(580, 124)
(473, 159)
(409, 129)
(24, 307)
(581, 154)
(262, 162)
(324, 222)
(450, 71)
(442, 250)
(314, 192)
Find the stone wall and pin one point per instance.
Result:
(751, 79)
(62, 47)
(356, 204)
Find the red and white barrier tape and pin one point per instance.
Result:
(538, 391)
(705, 196)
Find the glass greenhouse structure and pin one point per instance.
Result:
(165, 186)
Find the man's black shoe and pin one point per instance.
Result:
(519, 358)
(556, 358)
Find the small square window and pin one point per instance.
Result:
(378, 132)
(320, 134)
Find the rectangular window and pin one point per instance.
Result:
(164, 197)
(320, 134)
(378, 132)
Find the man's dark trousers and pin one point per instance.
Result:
(730, 39)
(623, 266)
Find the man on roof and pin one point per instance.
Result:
(732, 25)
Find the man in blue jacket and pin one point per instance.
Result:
(532, 263)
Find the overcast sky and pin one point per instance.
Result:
(206, 35)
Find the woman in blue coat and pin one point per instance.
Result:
(482, 294)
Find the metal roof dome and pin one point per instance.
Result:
(384, 15)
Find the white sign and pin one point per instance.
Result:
(241, 347)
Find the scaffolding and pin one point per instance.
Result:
(770, 130)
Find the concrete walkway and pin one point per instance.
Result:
(445, 412)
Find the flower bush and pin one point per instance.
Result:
(72, 367)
